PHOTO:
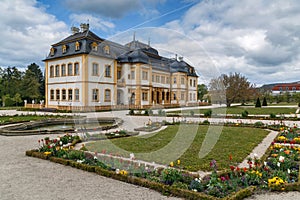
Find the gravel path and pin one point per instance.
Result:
(28, 178)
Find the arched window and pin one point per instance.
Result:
(52, 51)
(64, 94)
(106, 49)
(76, 91)
(51, 71)
(77, 46)
(76, 69)
(70, 94)
(107, 97)
(63, 70)
(70, 69)
(64, 48)
(94, 46)
(57, 94)
(57, 71)
(51, 94)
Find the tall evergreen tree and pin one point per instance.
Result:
(258, 104)
(265, 102)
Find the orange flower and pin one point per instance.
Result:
(287, 152)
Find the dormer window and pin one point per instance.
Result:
(52, 51)
(94, 46)
(77, 46)
(106, 49)
(64, 48)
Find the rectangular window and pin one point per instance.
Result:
(194, 97)
(76, 94)
(51, 94)
(157, 78)
(76, 69)
(57, 70)
(163, 79)
(168, 80)
(119, 73)
(144, 75)
(194, 83)
(70, 94)
(153, 78)
(132, 74)
(95, 95)
(174, 96)
(191, 82)
(95, 69)
(107, 96)
(64, 94)
(145, 96)
(70, 69)
(107, 71)
(182, 81)
(175, 81)
(182, 96)
(191, 97)
(51, 71)
(57, 95)
(63, 70)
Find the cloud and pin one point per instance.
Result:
(95, 22)
(110, 9)
(27, 32)
(256, 38)
(115, 8)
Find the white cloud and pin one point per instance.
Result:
(95, 22)
(26, 32)
(257, 38)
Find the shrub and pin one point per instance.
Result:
(258, 104)
(258, 124)
(161, 112)
(245, 113)
(192, 113)
(206, 122)
(76, 155)
(131, 112)
(272, 116)
(169, 176)
(208, 113)
(265, 102)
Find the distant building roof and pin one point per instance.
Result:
(286, 87)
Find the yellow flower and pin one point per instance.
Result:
(178, 162)
(171, 164)
(47, 153)
(123, 172)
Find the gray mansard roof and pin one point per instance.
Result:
(132, 52)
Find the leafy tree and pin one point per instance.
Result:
(17, 99)
(35, 69)
(30, 86)
(258, 104)
(202, 90)
(232, 88)
(265, 102)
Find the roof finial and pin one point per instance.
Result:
(134, 36)
(149, 41)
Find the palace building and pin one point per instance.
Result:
(86, 72)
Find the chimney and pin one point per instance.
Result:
(74, 30)
(180, 58)
(84, 27)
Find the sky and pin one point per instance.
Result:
(257, 38)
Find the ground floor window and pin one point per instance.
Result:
(107, 96)
(70, 94)
(95, 95)
(51, 94)
(76, 91)
(57, 95)
(64, 94)
(145, 96)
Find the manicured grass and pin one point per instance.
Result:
(240, 109)
(235, 141)
(22, 118)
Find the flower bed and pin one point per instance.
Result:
(279, 172)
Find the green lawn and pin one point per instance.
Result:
(240, 109)
(239, 142)
(21, 118)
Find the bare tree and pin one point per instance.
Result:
(230, 88)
